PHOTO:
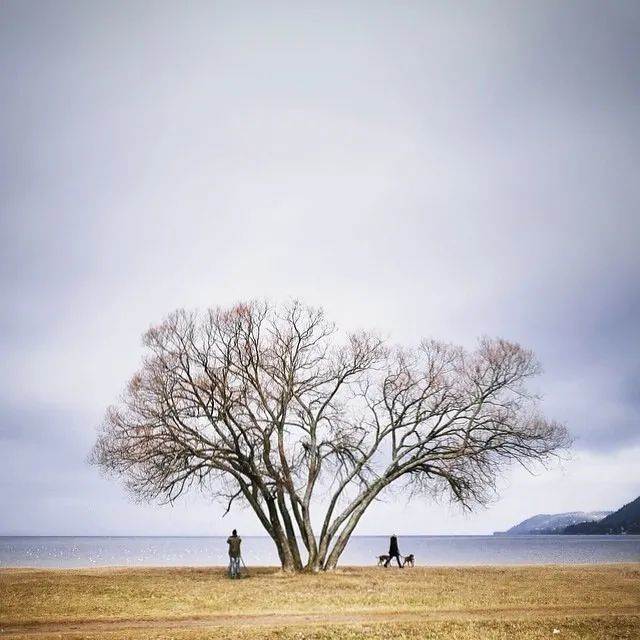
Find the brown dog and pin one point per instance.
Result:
(382, 560)
(409, 560)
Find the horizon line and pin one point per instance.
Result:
(223, 535)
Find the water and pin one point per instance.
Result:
(362, 550)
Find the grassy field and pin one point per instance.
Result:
(600, 601)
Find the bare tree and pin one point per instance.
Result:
(271, 405)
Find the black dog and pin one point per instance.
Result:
(382, 560)
(409, 560)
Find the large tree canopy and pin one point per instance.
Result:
(273, 406)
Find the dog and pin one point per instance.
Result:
(382, 560)
(409, 560)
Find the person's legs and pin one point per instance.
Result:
(398, 561)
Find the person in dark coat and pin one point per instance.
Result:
(394, 552)
(234, 542)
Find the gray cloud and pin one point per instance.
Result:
(421, 169)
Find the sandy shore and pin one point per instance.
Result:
(595, 601)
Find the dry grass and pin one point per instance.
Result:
(480, 602)
(609, 628)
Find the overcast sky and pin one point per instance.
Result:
(443, 170)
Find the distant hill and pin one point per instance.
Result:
(624, 520)
(549, 523)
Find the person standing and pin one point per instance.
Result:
(394, 551)
(234, 542)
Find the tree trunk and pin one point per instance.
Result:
(341, 541)
(345, 534)
(314, 562)
(280, 537)
(312, 545)
(290, 532)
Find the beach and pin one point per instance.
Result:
(565, 601)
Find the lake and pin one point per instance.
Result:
(362, 550)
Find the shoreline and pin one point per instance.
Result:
(273, 567)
